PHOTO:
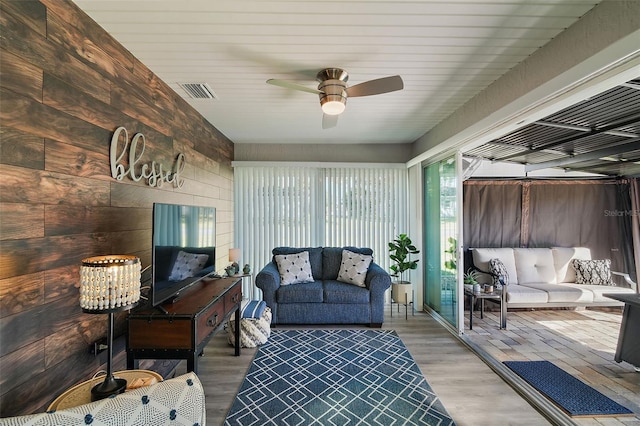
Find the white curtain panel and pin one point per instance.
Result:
(302, 206)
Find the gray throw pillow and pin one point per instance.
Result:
(294, 268)
(497, 268)
(596, 272)
(354, 267)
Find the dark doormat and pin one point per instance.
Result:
(573, 396)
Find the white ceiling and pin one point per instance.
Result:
(446, 51)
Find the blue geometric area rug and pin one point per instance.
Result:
(335, 377)
(573, 396)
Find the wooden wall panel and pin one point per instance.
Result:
(32, 13)
(20, 76)
(20, 366)
(99, 43)
(31, 293)
(22, 113)
(18, 148)
(20, 221)
(62, 282)
(72, 219)
(66, 85)
(19, 185)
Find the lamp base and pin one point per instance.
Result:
(110, 386)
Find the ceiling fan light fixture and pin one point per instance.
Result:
(333, 106)
(333, 98)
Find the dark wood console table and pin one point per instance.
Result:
(183, 330)
(629, 339)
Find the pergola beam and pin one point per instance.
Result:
(593, 155)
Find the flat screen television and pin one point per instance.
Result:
(183, 249)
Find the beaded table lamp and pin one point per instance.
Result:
(109, 284)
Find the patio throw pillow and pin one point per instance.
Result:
(593, 271)
(294, 268)
(187, 265)
(354, 267)
(497, 268)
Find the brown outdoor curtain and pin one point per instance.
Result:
(547, 213)
(492, 214)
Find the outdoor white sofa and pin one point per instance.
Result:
(545, 277)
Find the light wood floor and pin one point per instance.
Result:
(472, 393)
(581, 342)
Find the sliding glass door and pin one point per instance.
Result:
(442, 231)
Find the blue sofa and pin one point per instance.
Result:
(325, 300)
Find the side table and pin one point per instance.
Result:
(81, 393)
(496, 296)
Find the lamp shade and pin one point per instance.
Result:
(109, 283)
(333, 98)
(234, 255)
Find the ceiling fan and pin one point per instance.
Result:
(333, 91)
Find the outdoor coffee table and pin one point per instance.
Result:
(496, 296)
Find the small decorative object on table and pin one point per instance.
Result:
(230, 270)
(234, 258)
(247, 269)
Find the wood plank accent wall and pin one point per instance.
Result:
(65, 86)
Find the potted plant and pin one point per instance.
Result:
(470, 279)
(399, 251)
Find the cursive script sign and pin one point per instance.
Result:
(153, 172)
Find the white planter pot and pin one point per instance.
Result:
(402, 292)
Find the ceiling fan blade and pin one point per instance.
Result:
(293, 86)
(376, 87)
(329, 121)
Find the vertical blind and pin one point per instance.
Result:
(316, 206)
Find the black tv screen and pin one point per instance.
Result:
(184, 239)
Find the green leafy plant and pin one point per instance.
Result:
(451, 263)
(471, 277)
(399, 251)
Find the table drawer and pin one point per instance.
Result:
(159, 333)
(209, 320)
(232, 297)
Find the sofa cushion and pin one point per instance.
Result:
(562, 293)
(562, 257)
(294, 268)
(522, 294)
(597, 272)
(315, 257)
(599, 291)
(300, 293)
(497, 268)
(534, 265)
(354, 267)
(482, 256)
(340, 292)
(187, 265)
(332, 259)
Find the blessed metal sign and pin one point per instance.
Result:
(153, 172)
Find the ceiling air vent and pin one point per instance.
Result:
(198, 90)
